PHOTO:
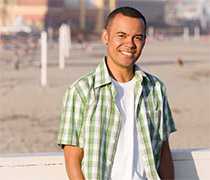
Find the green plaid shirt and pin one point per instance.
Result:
(91, 120)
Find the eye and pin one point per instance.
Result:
(121, 36)
(139, 38)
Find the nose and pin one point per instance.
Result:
(130, 42)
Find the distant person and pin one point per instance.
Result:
(116, 120)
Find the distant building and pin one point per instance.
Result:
(190, 13)
(52, 13)
(28, 12)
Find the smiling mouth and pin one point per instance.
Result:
(126, 53)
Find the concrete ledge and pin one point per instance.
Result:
(192, 164)
(189, 164)
(36, 166)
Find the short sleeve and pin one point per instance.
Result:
(168, 125)
(71, 119)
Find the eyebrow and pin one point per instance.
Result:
(141, 35)
(120, 32)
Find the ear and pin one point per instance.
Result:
(104, 36)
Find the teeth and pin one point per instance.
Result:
(126, 53)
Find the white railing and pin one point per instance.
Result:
(189, 165)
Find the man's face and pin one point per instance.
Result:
(125, 39)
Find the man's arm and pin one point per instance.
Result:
(73, 157)
(166, 170)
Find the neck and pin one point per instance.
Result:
(119, 73)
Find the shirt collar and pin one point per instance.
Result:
(102, 76)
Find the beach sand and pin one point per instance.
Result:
(29, 113)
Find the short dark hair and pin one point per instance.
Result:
(127, 11)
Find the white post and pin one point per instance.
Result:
(186, 34)
(67, 40)
(61, 47)
(196, 33)
(43, 58)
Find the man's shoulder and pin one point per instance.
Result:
(82, 87)
(85, 82)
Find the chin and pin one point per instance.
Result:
(127, 65)
(129, 61)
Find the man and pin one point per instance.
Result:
(116, 120)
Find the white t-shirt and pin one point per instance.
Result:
(127, 162)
